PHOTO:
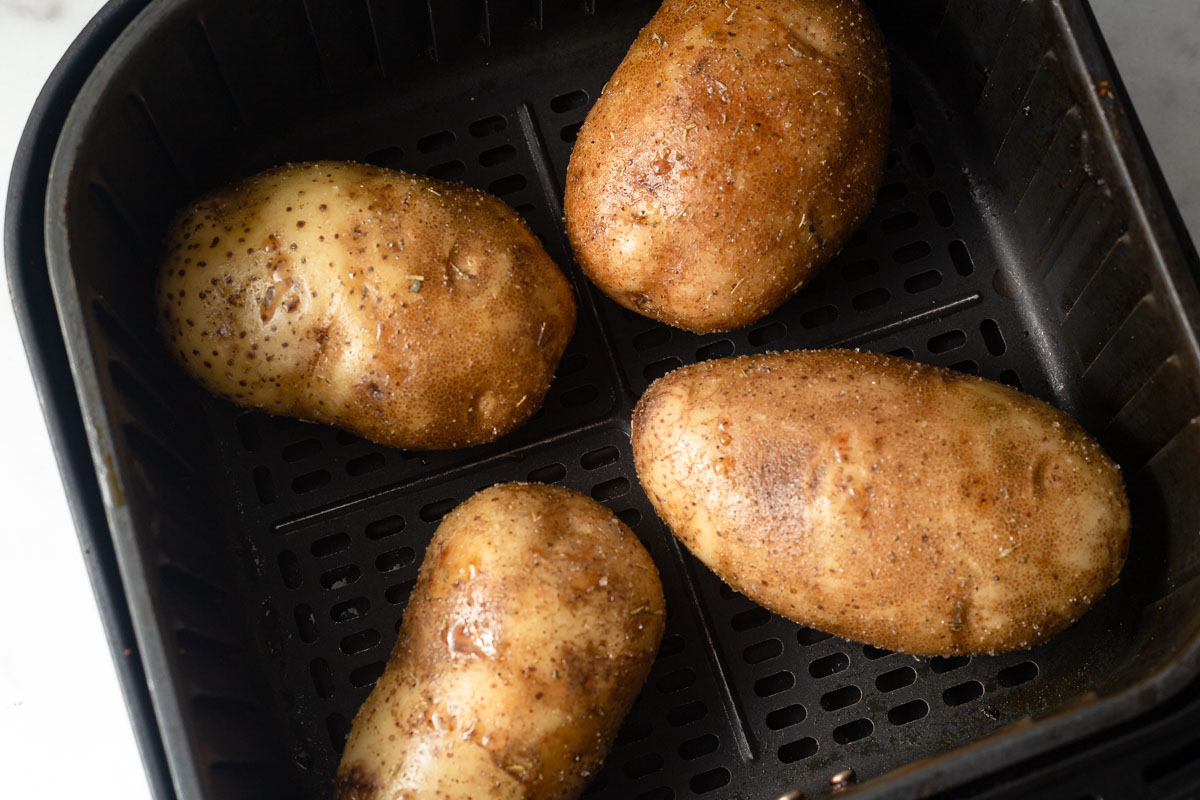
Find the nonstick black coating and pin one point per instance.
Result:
(271, 559)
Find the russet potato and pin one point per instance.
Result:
(907, 506)
(532, 626)
(734, 151)
(414, 312)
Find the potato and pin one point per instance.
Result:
(413, 312)
(734, 151)
(532, 627)
(907, 506)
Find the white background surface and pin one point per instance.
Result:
(63, 729)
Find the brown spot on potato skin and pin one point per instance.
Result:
(729, 157)
(894, 503)
(331, 314)
(532, 626)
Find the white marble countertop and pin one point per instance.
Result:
(63, 729)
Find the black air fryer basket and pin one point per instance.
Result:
(257, 568)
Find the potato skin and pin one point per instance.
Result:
(894, 503)
(734, 151)
(296, 291)
(533, 624)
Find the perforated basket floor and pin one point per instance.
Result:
(269, 639)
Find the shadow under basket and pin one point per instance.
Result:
(1018, 235)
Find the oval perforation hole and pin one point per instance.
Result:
(967, 367)
(762, 651)
(811, 636)
(551, 473)
(340, 577)
(630, 516)
(264, 486)
(841, 698)
(676, 681)
(911, 252)
(507, 185)
(610, 489)
(387, 526)
(306, 623)
(687, 713)
(432, 512)
(872, 299)
(786, 717)
(436, 141)
(497, 155)
(774, 684)
(568, 101)
(903, 352)
(940, 665)
(289, 569)
(699, 746)
(672, 645)
(718, 349)
(448, 170)
(322, 677)
(365, 464)
(328, 545)
(348, 610)
(397, 594)
(860, 269)
(798, 750)
(767, 333)
(570, 132)
(337, 729)
(992, 338)
(875, 653)
(817, 317)
(908, 712)
(896, 679)
(942, 213)
(1011, 379)
(396, 559)
(367, 674)
(961, 258)
(853, 731)
(750, 618)
(601, 457)
(655, 337)
(310, 481)
(488, 126)
(643, 765)
(962, 693)
(571, 364)
(634, 730)
(710, 781)
(579, 396)
(1017, 674)
(923, 282)
(359, 642)
(656, 370)
(829, 665)
(903, 221)
(945, 342)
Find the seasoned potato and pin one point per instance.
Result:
(532, 626)
(898, 504)
(734, 151)
(414, 312)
